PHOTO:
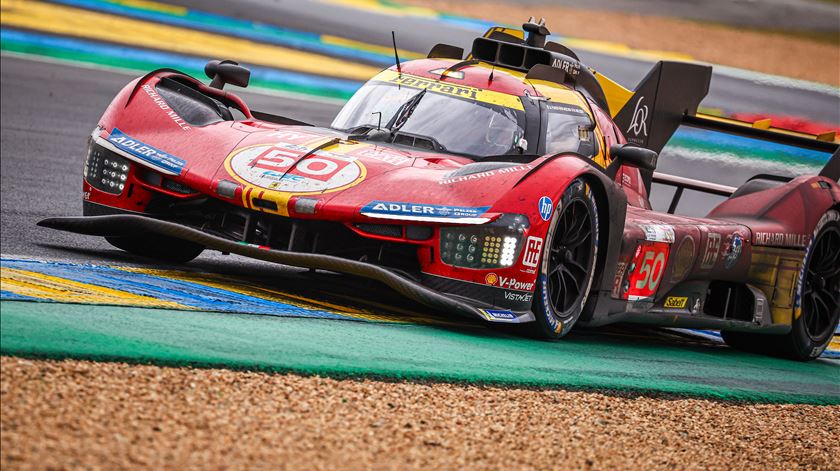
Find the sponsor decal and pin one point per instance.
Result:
(380, 154)
(676, 302)
(294, 137)
(481, 175)
(518, 297)
(733, 251)
(683, 259)
(638, 125)
(571, 68)
(507, 282)
(710, 255)
(498, 314)
(391, 208)
(435, 86)
(545, 207)
(620, 269)
(147, 153)
(626, 180)
(659, 233)
(531, 254)
(553, 322)
(165, 107)
(451, 89)
(566, 109)
(280, 167)
(781, 239)
(649, 265)
(453, 74)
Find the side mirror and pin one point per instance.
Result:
(640, 157)
(222, 72)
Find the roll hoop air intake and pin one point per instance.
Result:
(540, 59)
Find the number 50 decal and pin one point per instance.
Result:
(650, 262)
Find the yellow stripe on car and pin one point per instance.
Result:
(451, 89)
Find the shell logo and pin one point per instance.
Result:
(491, 279)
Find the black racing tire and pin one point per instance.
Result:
(567, 269)
(158, 247)
(817, 311)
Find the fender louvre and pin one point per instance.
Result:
(193, 106)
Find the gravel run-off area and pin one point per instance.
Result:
(79, 414)
(761, 51)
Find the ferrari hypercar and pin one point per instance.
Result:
(509, 185)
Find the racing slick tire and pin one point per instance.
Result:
(158, 247)
(818, 298)
(567, 268)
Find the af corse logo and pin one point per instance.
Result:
(712, 249)
(533, 247)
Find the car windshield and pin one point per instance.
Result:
(456, 125)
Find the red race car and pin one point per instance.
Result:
(511, 185)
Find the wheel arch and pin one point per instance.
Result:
(611, 210)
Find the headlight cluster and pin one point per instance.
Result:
(487, 246)
(105, 170)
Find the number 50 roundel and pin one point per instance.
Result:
(281, 168)
(650, 262)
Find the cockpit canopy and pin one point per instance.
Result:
(442, 116)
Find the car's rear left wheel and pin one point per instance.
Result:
(818, 291)
(568, 263)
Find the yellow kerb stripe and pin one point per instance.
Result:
(76, 22)
(41, 286)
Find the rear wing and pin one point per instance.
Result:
(668, 97)
(648, 116)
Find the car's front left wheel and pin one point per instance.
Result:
(568, 262)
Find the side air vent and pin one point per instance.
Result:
(396, 231)
(556, 66)
(729, 300)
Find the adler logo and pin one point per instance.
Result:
(404, 208)
(638, 125)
